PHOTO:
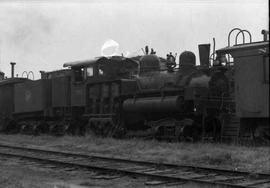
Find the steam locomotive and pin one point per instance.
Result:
(148, 96)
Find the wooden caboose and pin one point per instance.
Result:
(251, 78)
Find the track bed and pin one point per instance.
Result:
(166, 173)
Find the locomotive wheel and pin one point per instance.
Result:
(106, 129)
(94, 127)
(261, 135)
(109, 127)
(59, 128)
(12, 127)
(118, 128)
(259, 131)
(29, 127)
(72, 128)
(25, 127)
(212, 128)
(189, 133)
(42, 128)
(89, 128)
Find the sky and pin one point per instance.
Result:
(43, 35)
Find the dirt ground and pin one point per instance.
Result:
(14, 175)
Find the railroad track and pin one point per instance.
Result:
(164, 173)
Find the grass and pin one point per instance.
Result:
(248, 158)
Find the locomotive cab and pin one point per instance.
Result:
(103, 68)
(96, 88)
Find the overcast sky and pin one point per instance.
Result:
(42, 35)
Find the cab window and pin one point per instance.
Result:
(78, 74)
(89, 71)
(100, 72)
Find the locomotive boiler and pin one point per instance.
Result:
(168, 100)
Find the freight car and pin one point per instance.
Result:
(7, 87)
(150, 95)
(56, 102)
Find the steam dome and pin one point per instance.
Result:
(187, 58)
(149, 63)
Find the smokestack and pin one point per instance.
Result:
(265, 35)
(12, 69)
(204, 52)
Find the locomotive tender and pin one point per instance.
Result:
(150, 95)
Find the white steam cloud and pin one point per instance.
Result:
(110, 48)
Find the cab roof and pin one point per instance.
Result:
(246, 46)
(100, 60)
(12, 81)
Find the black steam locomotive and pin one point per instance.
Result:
(146, 96)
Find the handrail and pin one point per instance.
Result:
(28, 73)
(242, 31)
(229, 36)
(31, 73)
(25, 73)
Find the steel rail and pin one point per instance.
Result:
(146, 167)
(137, 161)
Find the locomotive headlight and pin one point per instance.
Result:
(195, 109)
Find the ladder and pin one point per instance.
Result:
(230, 128)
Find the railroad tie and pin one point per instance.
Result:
(254, 182)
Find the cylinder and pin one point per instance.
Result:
(153, 104)
(204, 52)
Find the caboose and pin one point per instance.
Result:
(251, 88)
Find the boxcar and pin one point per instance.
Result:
(33, 97)
(7, 98)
